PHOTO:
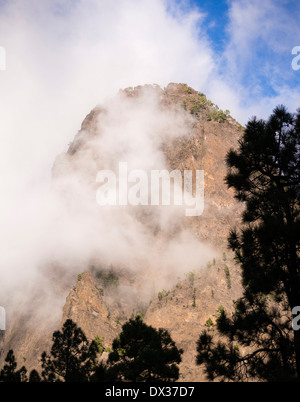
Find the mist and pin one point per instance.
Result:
(62, 59)
(143, 239)
(59, 229)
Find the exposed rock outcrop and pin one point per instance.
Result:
(85, 306)
(183, 307)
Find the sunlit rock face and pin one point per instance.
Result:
(111, 263)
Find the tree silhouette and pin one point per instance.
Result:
(102, 373)
(264, 173)
(142, 353)
(72, 357)
(34, 376)
(255, 344)
(9, 372)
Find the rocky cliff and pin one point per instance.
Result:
(179, 289)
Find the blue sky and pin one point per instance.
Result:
(269, 67)
(215, 22)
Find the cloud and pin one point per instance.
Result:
(255, 67)
(64, 57)
(62, 225)
(131, 131)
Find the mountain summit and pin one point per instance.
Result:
(117, 261)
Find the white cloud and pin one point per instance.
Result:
(64, 57)
(257, 59)
(60, 65)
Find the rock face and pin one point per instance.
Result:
(185, 308)
(151, 282)
(85, 306)
(210, 133)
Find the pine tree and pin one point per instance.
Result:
(72, 357)
(264, 173)
(142, 353)
(9, 373)
(34, 376)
